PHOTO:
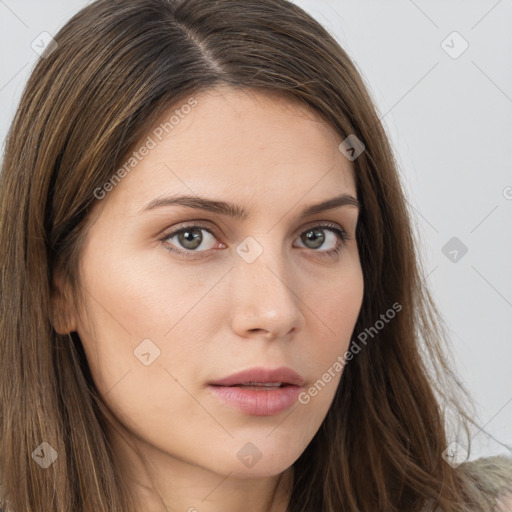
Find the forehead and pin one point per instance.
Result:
(238, 143)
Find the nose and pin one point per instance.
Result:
(264, 302)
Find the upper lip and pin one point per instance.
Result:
(262, 375)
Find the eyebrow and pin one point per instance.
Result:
(238, 211)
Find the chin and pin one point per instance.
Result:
(257, 459)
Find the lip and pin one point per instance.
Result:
(261, 374)
(264, 402)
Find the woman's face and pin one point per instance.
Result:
(167, 314)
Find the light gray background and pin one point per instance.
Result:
(450, 123)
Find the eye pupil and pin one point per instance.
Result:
(316, 236)
(190, 238)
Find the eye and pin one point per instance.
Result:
(326, 234)
(191, 238)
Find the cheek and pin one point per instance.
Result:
(133, 311)
(339, 305)
(334, 320)
(147, 324)
(139, 295)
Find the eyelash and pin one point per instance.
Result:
(341, 234)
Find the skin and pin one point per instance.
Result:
(215, 314)
(504, 503)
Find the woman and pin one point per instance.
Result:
(220, 166)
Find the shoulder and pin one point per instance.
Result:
(492, 476)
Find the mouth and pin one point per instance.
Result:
(260, 391)
(260, 386)
(262, 376)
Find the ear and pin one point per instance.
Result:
(63, 316)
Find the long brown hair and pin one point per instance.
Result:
(117, 66)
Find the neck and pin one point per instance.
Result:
(159, 482)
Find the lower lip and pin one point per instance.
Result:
(266, 402)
